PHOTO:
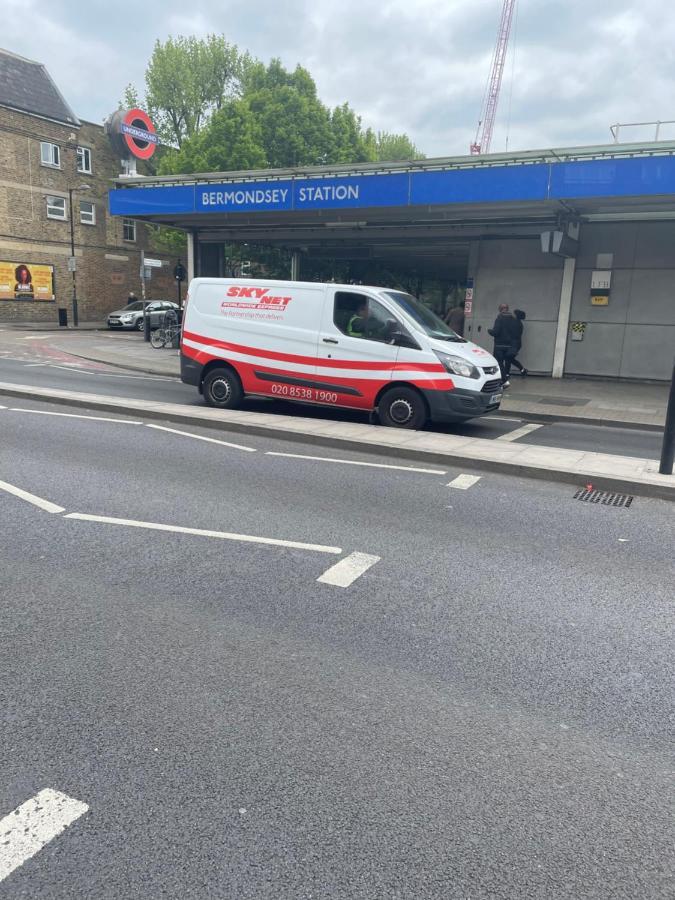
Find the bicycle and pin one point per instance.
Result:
(164, 336)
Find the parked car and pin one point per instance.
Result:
(131, 316)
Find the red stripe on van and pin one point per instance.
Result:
(314, 360)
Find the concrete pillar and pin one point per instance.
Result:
(565, 308)
(190, 256)
(295, 265)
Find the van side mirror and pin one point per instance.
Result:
(400, 339)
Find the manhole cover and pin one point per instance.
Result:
(606, 498)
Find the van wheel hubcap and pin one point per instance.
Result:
(220, 390)
(401, 411)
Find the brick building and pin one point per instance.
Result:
(45, 150)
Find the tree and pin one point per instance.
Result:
(187, 79)
(395, 147)
(230, 141)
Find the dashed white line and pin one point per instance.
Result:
(354, 462)
(46, 505)
(347, 570)
(35, 365)
(35, 337)
(26, 830)
(204, 532)
(201, 437)
(519, 432)
(464, 482)
(44, 412)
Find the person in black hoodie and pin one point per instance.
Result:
(520, 315)
(507, 332)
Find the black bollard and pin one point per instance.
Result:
(668, 448)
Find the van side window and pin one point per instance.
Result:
(357, 315)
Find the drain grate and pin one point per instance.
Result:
(606, 498)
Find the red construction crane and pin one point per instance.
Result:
(486, 123)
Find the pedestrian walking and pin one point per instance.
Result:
(520, 316)
(455, 318)
(505, 331)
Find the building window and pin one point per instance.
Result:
(87, 213)
(50, 155)
(56, 208)
(84, 160)
(128, 230)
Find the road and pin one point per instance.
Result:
(70, 373)
(477, 704)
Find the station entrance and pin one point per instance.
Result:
(580, 239)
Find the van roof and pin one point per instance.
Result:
(283, 283)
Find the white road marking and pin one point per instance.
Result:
(499, 419)
(201, 437)
(35, 337)
(353, 462)
(44, 412)
(204, 532)
(26, 830)
(519, 432)
(464, 482)
(47, 505)
(34, 365)
(345, 572)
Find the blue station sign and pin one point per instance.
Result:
(526, 182)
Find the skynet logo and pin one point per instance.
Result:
(265, 300)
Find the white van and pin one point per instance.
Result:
(341, 345)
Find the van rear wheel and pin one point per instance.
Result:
(222, 389)
(403, 407)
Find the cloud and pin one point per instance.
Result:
(415, 67)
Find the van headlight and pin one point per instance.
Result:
(455, 365)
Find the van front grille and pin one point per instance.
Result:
(491, 386)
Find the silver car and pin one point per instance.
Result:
(132, 315)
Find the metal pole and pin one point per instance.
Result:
(72, 254)
(668, 448)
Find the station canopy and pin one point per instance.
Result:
(426, 212)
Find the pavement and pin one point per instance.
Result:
(601, 401)
(479, 704)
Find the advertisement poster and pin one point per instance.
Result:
(25, 281)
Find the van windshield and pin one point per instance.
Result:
(427, 320)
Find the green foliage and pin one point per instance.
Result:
(395, 147)
(231, 141)
(187, 79)
(167, 240)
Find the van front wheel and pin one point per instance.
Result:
(402, 407)
(222, 389)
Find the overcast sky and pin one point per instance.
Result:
(418, 66)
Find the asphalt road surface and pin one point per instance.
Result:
(70, 373)
(233, 672)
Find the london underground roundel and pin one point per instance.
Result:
(138, 133)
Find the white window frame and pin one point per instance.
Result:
(52, 157)
(52, 206)
(90, 217)
(128, 223)
(84, 160)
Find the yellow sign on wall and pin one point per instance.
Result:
(25, 281)
(600, 300)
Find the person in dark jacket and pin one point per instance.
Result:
(455, 318)
(506, 332)
(520, 315)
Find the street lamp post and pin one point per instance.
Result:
(81, 187)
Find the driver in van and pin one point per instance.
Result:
(356, 327)
(364, 325)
